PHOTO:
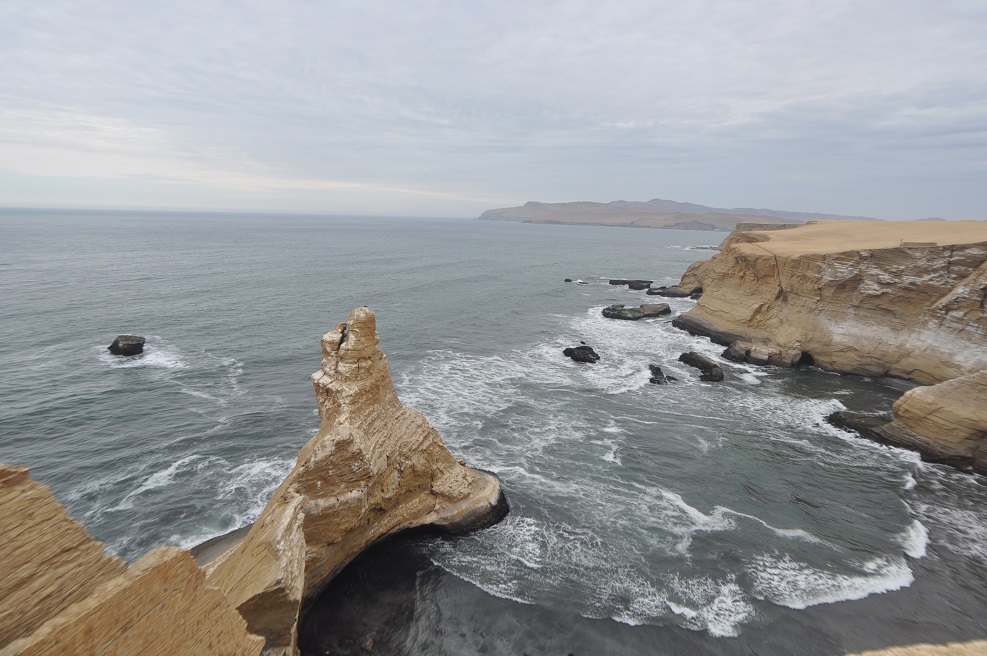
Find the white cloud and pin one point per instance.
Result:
(507, 101)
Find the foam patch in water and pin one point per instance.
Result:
(788, 582)
(915, 539)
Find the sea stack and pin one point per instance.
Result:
(375, 467)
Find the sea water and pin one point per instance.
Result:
(688, 518)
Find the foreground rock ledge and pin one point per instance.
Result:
(62, 595)
(375, 468)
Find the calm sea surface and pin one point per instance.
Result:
(693, 518)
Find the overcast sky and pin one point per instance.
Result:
(867, 107)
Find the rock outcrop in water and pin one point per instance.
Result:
(947, 422)
(375, 468)
(127, 345)
(646, 311)
(61, 594)
(582, 354)
(902, 299)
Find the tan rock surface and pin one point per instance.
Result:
(375, 467)
(871, 298)
(49, 561)
(974, 648)
(159, 607)
(61, 594)
(948, 421)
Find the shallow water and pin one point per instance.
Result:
(689, 518)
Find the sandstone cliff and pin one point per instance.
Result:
(62, 594)
(902, 299)
(375, 467)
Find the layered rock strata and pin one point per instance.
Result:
(902, 299)
(61, 594)
(375, 468)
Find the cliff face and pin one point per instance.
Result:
(375, 467)
(879, 299)
(903, 299)
(62, 594)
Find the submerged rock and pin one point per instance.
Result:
(646, 311)
(582, 354)
(375, 467)
(658, 376)
(127, 345)
(676, 292)
(628, 282)
(711, 371)
(863, 423)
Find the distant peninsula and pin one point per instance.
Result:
(656, 213)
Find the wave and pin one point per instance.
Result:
(785, 581)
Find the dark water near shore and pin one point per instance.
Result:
(694, 518)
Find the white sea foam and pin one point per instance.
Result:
(717, 605)
(788, 582)
(199, 394)
(159, 479)
(915, 539)
(962, 530)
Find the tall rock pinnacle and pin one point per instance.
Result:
(375, 468)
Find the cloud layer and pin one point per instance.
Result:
(866, 107)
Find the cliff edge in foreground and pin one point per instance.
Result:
(375, 468)
(62, 595)
(902, 299)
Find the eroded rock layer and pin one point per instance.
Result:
(904, 299)
(375, 467)
(61, 594)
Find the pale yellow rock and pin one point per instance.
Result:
(854, 295)
(974, 648)
(948, 420)
(375, 467)
(158, 607)
(48, 559)
(62, 595)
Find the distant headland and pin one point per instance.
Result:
(655, 213)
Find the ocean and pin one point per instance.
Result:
(692, 518)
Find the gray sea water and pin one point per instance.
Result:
(690, 518)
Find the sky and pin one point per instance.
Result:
(446, 108)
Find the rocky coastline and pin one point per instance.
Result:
(898, 299)
(375, 468)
